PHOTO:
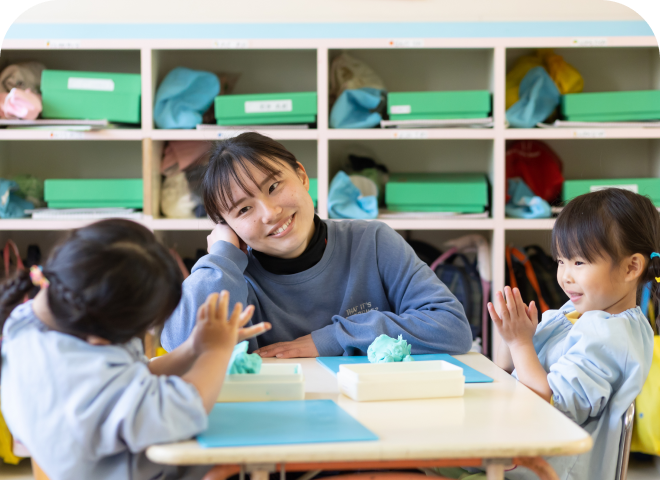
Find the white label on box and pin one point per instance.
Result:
(267, 106)
(590, 42)
(411, 135)
(96, 84)
(400, 109)
(407, 42)
(63, 43)
(631, 187)
(582, 133)
(231, 43)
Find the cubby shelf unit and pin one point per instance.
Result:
(304, 64)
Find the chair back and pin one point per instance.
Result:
(624, 443)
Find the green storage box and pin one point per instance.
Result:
(314, 190)
(611, 106)
(96, 193)
(437, 192)
(266, 108)
(438, 105)
(644, 186)
(91, 95)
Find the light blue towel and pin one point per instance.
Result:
(346, 201)
(523, 203)
(539, 96)
(183, 96)
(358, 108)
(11, 205)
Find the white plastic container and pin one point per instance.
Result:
(401, 381)
(282, 381)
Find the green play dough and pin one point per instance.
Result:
(243, 362)
(386, 349)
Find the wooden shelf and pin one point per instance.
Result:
(45, 134)
(410, 134)
(580, 133)
(522, 224)
(220, 134)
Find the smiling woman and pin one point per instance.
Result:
(327, 288)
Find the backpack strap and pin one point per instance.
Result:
(443, 258)
(9, 247)
(529, 272)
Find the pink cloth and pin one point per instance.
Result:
(183, 153)
(22, 104)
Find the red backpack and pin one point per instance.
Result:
(539, 167)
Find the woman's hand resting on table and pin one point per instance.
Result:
(302, 347)
(222, 231)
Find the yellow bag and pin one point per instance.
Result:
(6, 444)
(565, 76)
(646, 429)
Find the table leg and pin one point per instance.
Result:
(259, 475)
(495, 471)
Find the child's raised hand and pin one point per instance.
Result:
(214, 328)
(516, 322)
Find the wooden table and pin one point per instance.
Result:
(492, 425)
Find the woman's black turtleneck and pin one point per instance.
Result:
(310, 257)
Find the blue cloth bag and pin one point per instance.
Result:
(183, 96)
(11, 205)
(539, 96)
(523, 203)
(346, 201)
(358, 108)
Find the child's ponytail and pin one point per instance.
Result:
(12, 293)
(653, 278)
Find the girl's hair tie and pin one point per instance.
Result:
(37, 277)
(654, 254)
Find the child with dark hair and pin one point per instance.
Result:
(329, 288)
(590, 358)
(77, 390)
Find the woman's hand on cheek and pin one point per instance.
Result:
(515, 322)
(302, 347)
(224, 232)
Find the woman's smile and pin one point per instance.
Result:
(282, 228)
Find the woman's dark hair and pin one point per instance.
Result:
(111, 279)
(229, 161)
(610, 223)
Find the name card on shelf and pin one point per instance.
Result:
(589, 133)
(62, 43)
(261, 106)
(411, 134)
(406, 42)
(589, 42)
(231, 43)
(66, 135)
(230, 133)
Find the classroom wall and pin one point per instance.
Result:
(274, 11)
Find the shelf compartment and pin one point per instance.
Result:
(260, 71)
(415, 156)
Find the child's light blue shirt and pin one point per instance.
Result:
(596, 367)
(89, 412)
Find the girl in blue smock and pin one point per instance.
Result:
(591, 357)
(77, 390)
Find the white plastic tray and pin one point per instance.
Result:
(401, 381)
(274, 382)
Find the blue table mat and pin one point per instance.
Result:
(276, 423)
(471, 375)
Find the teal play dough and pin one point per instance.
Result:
(243, 362)
(386, 349)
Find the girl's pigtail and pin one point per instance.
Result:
(12, 293)
(654, 279)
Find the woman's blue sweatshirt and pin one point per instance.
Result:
(368, 282)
